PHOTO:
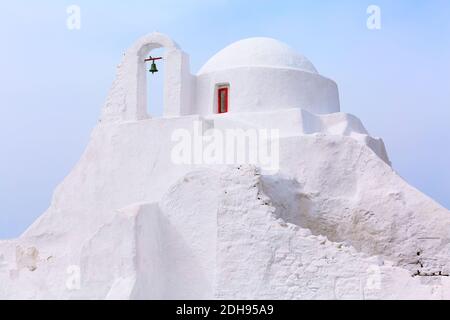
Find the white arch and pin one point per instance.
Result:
(127, 100)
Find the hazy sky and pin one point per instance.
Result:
(53, 81)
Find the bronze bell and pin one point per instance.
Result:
(153, 68)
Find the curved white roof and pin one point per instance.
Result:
(265, 52)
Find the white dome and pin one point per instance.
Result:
(261, 52)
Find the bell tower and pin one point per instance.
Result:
(127, 99)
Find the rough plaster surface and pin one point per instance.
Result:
(336, 221)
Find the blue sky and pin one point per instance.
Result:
(53, 81)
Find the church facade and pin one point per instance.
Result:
(251, 75)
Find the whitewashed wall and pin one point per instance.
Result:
(265, 88)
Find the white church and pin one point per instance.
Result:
(334, 222)
(252, 75)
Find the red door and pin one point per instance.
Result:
(222, 101)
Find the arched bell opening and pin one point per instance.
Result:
(175, 82)
(128, 97)
(150, 86)
(155, 67)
